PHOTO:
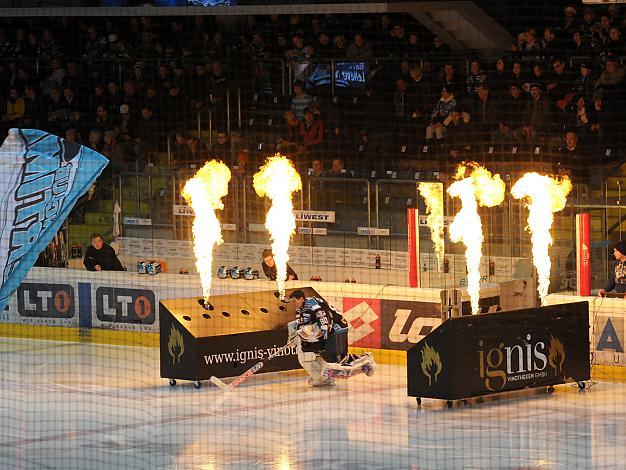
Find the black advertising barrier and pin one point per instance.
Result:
(499, 352)
(236, 332)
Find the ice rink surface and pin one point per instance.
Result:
(84, 406)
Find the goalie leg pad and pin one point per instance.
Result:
(313, 363)
(357, 365)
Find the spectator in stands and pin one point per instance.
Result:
(148, 134)
(300, 100)
(95, 140)
(475, 78)
(450, 80)
(570, 23)
(312, 133)
(440, 112)
(584, 85)
(126, 128)
(581, 45)
(35, 108)
(439, 48)
(340, 46)
(218, 84)
(58, 114)
(103, 121)
(237, 145)
(296, 52)
(100, 256)
(200, 88)
(70, 100)
(510, 115)
(359, 48)
(457, 135)
(131, 94)
(56, 77)
(536, 121)
(517, 73)
(317, 168)
(484, 115)
(537, 77)
(612, 75)
(289, 133)
(615, 44)
(269, 267)
(500, 80)
(336, 169)
(571, 160)
(420, 97)
(552, 45)
(559, 84)
(221, 147)
(95, 45)
(15, 109)
(403, 109)
(197, 150)
(323, 47)
(114, 97)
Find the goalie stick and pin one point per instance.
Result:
(249, 373)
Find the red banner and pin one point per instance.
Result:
(414, 246)
(583, 255)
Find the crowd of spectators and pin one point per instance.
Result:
(123, 85)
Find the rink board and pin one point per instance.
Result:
(500, 352)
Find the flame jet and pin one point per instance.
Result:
(433, 196)
(479, 188)
(543, 195)
(278, 180)
(204, 192)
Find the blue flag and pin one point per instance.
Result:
(41, 178)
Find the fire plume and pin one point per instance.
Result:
(543, 196)
(204, 192)
(479, 188)
(278, 180)
(433, 197)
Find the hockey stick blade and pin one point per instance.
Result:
(224, 387)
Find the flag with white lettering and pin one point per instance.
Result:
(41, 176)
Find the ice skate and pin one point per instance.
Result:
(327, 382)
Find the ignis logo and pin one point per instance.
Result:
(45, 300)
(125, 305)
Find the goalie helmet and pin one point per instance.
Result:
(222, 272)
(237, 272)
(251, 274)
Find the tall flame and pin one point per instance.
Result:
(205, 192)
(433, 196)
(278, 180)
(480, 188)
(543, 196)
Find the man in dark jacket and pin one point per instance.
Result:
(617, 280)
(269, 267)
(100, 256)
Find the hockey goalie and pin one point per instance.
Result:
(315, 325)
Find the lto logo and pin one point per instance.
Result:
(45, 300)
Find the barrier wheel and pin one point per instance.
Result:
(197, 384)
(172, 382)
(419, 401)
(581, 385)
(449, 403)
